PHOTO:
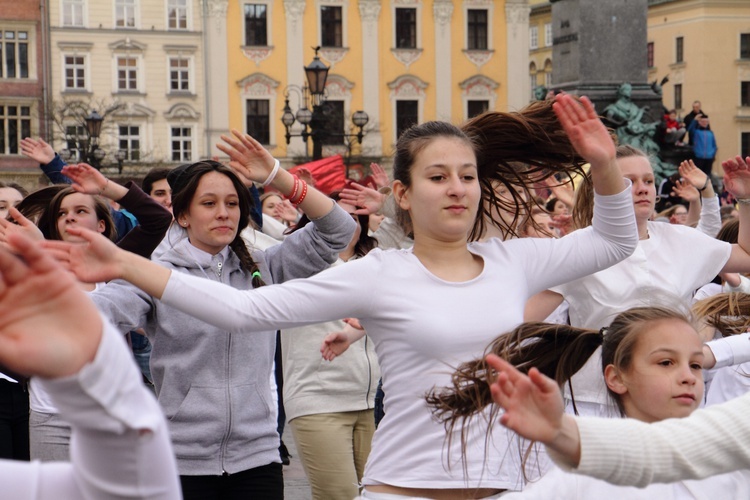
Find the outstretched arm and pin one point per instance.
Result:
(737, 183)
(50, 329)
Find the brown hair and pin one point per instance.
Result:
(583, 206)
(558, 351)
(100, 207)
(729, 312)
(181, 199)
(515, 149)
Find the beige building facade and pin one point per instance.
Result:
(139, 63)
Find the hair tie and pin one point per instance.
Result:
(603, 331)
(256, 274)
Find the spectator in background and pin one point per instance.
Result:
(156, 186)
(703, 142)
(675, 130)
(11, 194)
(691, 116)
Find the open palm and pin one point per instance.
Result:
(586, 131)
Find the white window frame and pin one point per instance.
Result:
(138, 73)
(130, 138)
(190, 76)
(533, 37)
(344, 22)
(403, 5)
(269, 24)
(193, 139)
(126, 4)
(188, 15)
(5, 103)
(86, 72)
(260, 86)
(548, 34)
(64, 4)
(31, 55)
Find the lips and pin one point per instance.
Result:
(685, 398)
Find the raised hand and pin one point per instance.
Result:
(533, 404)
(247, 157)
(685, 190)
(24, 226)
(366, 199)
(37, 150)
(286, 211)
(737, 177)
(94, 261)
(692, 174)
(304, 174)
(48, 326)
(86, 179)
(379, 175)
(587, 133)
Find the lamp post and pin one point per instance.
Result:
(315, 121)
(91, 153)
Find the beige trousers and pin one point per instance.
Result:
(333, 448)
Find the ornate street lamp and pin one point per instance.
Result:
(314, 122)
(89, 148)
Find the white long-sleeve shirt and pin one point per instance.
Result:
(422, 327)
(120, 448)
(712, 440)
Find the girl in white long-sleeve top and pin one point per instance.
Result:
(439, 303)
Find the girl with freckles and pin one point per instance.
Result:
(439, 303)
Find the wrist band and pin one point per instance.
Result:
(105, 187)
(301, 196)
(295, 188)
(705, 185)
(743, 201)
(273, 173)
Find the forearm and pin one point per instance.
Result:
(53, 171)
(710, 215)
(154, 221)
(743, 238)
(315, 203)
(120, 442)
(694, 212)
(607, 178)
(141, 272)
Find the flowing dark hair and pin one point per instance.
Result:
(514, 149)
(184, 185)
(557, 351)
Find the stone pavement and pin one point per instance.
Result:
(296, 486)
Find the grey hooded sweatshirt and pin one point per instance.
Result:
(213, 385)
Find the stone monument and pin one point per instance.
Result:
(599, 50)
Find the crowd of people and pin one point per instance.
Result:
(514, 271)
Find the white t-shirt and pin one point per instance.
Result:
(664, 270)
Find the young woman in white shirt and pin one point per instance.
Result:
(435, 305)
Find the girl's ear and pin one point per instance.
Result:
(101, 226)
(400, 193)
(614, 380)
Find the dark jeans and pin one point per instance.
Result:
(262, 483)
(14, 421)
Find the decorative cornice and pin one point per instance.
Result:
(132, 109)
(217, 9)
(479, 57)
(293, 10)
(257, 54)
(369, 10)
(84, 46)
(181, 48)
(127, 44)
(333, 54)
(258, 84)
(478, 86)
(338, 86)
(406, 56)
(407, 86)
(182, 111)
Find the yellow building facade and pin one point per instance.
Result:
(400, 61)
(540, 45)
(703, 46)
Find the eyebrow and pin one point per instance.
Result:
(667, 350)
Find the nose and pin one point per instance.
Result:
(456, 186)
(688, 376)
(168, 201)
(222, 212)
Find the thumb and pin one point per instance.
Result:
(19, 217)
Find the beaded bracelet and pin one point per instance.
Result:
(301, 196)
